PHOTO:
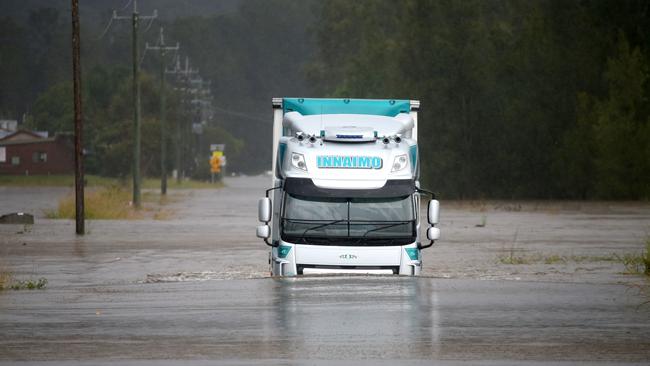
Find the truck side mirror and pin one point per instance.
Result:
(433, 233)
(433, 212)
(264, 210)
(263, 231)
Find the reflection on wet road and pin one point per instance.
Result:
(327, 318)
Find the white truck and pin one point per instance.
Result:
(345, 193)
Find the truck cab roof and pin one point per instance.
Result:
(345, 143)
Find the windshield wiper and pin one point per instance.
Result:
(382, 227)
(302, 236)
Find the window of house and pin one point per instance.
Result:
(3, 154)
(39, 157)
(15, 160)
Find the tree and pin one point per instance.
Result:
(507, 89)
(14, 69)
(621, 127)
(53, 110)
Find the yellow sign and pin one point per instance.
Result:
(216, 161)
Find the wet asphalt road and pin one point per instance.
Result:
(195, 290)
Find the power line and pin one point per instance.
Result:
(241, 114)
(135, 19)
(149, 26)
(182, 76)
(108, 26)
(126, 6)
(160, 46)
(146, 48)
(187, 71)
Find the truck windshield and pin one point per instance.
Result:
(348, 221)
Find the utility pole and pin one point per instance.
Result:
(163, 141)
(78, 123)
(182, 76)
(177, 132)
(135, 18)
(202, 113)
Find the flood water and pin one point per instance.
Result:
(195, 289)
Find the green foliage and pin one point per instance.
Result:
(637, 263)
(14, 70)
(5, 278)
(553, 259)
(216, 134)
(35, 56)
(605, 154)
(106, 203)
(53, 110)
(574, 159)
(30, 284)
(621, 127)
(519, 99)
(251, 55)
(108, 116)
(52, 181)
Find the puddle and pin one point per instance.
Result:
(203, 276)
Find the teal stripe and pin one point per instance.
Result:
(283, 251)
(379, 107)
(413, 253)
(413, 152)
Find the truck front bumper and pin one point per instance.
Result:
(293, 259)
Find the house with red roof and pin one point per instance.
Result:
(35, 153)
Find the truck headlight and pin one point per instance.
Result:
(400, 162)
(298, 161)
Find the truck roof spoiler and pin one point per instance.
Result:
(307, 106)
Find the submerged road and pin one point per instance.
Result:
(195, 290)
(340, 318)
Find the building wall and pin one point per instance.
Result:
(59, 158)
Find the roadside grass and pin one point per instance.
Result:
(113, 202)
(109, 198)
(5, 278)
(30, 284)
(634, 263)
(106, 203)
(537, 258)
(7, 281)
(53, 180)
(554, 259)
(94, 181)
(637, 263)
(154, 183)
(511, 258)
